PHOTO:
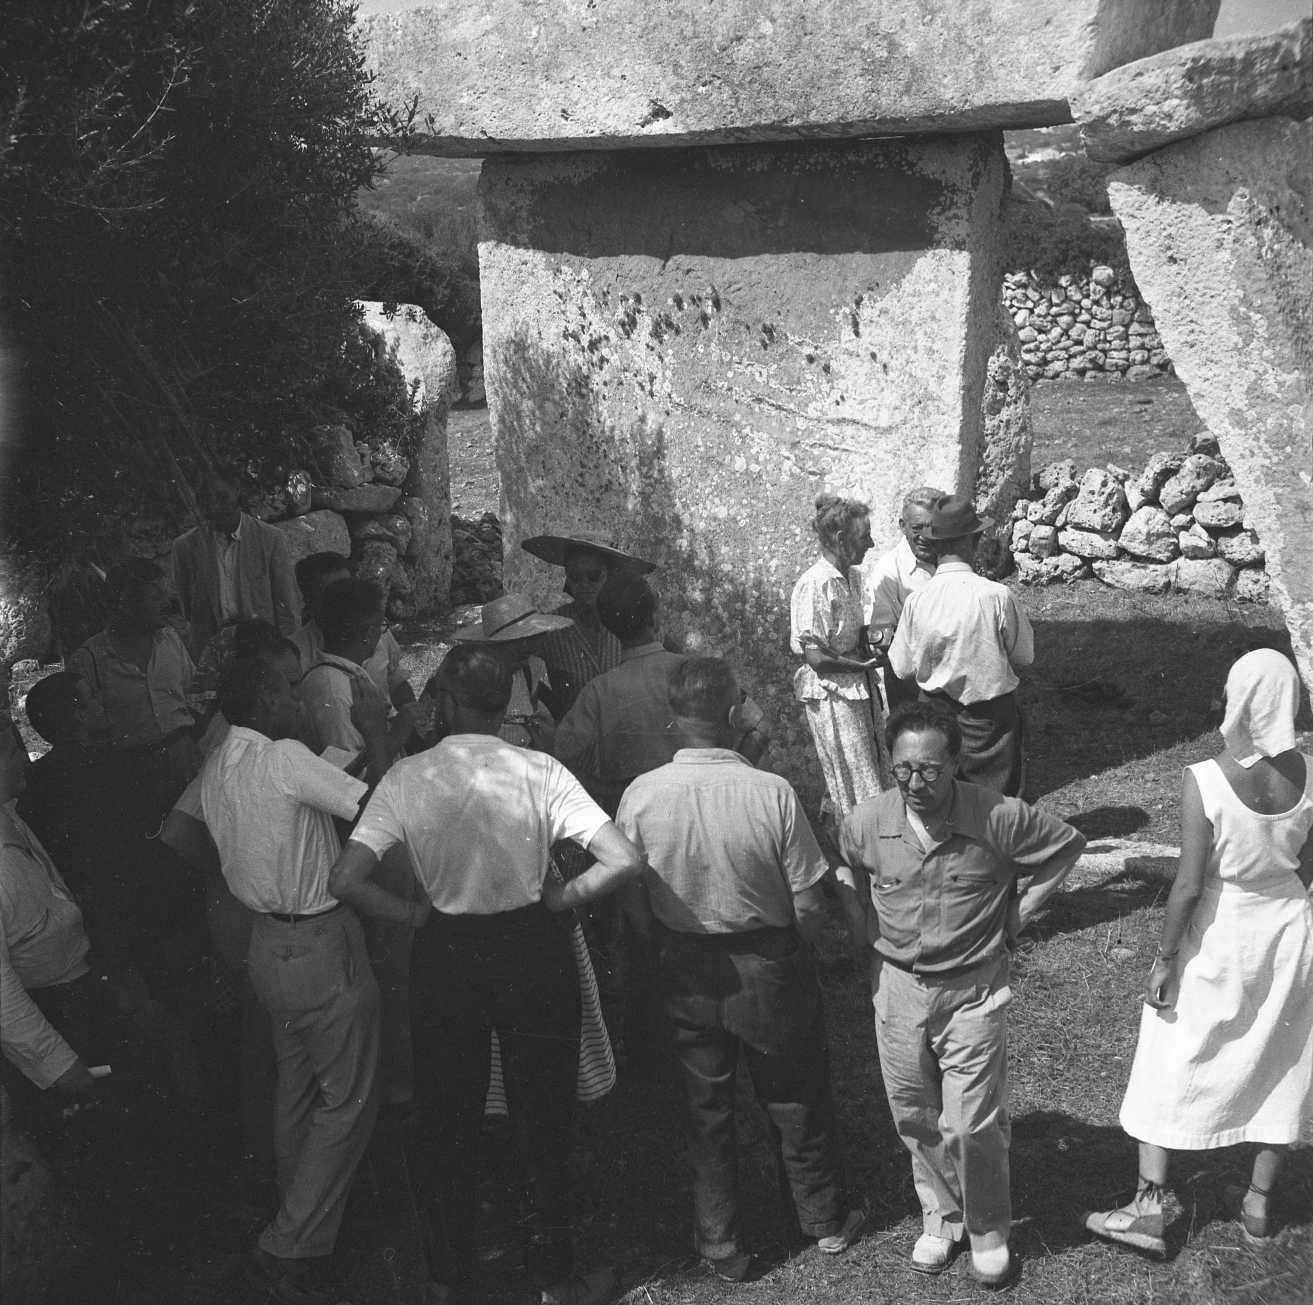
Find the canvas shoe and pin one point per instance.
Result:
(994, 1266)
(837, 1243)
(933, 1254)
(1138, 1224)
(730, 1268)
(1256, 1228)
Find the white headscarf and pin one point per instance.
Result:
(1262, 697)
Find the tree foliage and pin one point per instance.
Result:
(177, 179)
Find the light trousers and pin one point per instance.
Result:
(943, 1054)
(314, 979)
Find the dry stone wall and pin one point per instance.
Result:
(1179, 523)
(1080, 326)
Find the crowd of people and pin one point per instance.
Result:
(569, 850)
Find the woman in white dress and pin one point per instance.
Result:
(1226, 1036)
(833, 683)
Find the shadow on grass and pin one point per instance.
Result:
(1145, 882)
(1109, 822)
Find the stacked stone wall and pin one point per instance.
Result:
(1077, 326)
(1180, 523)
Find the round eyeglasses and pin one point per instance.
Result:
(929, 772)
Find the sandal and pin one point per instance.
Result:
(1257, 1228)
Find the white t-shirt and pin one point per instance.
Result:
(478, 817)
(268, 806)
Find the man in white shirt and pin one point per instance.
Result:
(888, 579)
(963, 638)
(478, 817)
(269, 805)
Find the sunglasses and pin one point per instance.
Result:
(585, 577)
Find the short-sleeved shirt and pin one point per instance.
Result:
(268, 805)
(478, 817)
(963, 636)
(946, 909)
(383, 668)
(887, 580)
(727, 845)
(42, 944)
(620, 726)
(826, 608)
(138, 707)
(325, 694)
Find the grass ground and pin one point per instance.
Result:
(1122, 696)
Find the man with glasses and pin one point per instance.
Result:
(944, 900)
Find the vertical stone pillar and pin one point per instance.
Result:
(1220, 238)
(683, 347)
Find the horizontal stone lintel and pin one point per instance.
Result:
(515, 76)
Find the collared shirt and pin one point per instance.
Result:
(574, 657)
(384, 667)
(137, 706)
(946, 908)
(963, 636)
(826, 608)
(225, 555)
(325, 695)
(887, 580)
(268, 806)
(42, 943)
(478, 817)
(728, 846)
(620, 727)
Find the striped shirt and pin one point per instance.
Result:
(576, 655)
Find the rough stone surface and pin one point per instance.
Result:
(315, 532)
(1089, 543)
(1208, 577)
(1252, 585)
(1189, 90)
(516, 75)
(1160, 468)
(1006, 438)
(1021, 533)
(1180, 491)
(375, 561)
(1043, 540)
(1054, 475)
(428, 362)
(1196, 542)
(25, 625)
(364, 498)
(1218, 514)
(1030, 569)
(1220, 239)
(1240, 547)
(1149, 535)
(684, 347)
(1100, 503)
(336, 457)
(1137, 577)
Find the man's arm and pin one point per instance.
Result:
(576, 736)
(349, 881)
(30, 1042)
(1046, 850)
(1018, 635)
(283, 592)
(618, 863)
(809, 911)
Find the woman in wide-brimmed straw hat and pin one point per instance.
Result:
(514, 626)
(586, 648)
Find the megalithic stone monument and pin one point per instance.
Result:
(708, 295)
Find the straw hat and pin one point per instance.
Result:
(512, 616)
(553, 548)
(954, 516)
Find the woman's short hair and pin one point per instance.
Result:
(245, 680)
(834, 515)
(347, 606)
(312, 571)
(700, 687)
(626, 605)
(476, 677)
(913, 717)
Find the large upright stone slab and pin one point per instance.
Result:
(683, 347)
(562, 74)
(428, 362)
(1184, 92)
(1220, 239)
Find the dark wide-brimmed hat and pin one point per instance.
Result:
(512, 616)
(553, 549)
(954, 517)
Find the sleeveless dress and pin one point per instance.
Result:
(1232, 1061)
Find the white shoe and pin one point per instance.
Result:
(933, 1254)
(993, 1267)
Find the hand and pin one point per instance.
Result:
(554, 896)
(1159, 987)
(1014, 924)
(369, 708)
(75, 1081)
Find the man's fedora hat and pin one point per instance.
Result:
(553, 549)
(954, 516)
(512, 616)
